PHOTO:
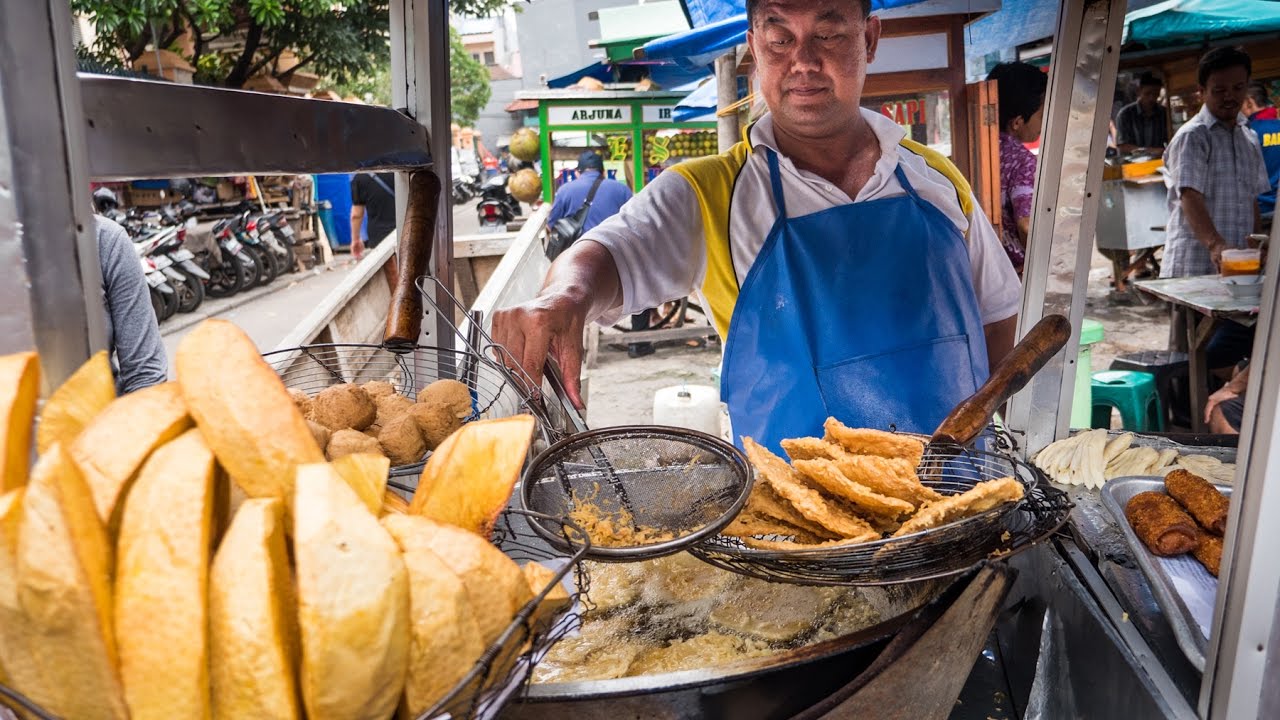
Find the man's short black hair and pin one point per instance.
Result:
(1021, 88)
(1223, 58)
(1149, 80)
(1258, 93)
(753, 4)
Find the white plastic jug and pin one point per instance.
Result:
(696, 407)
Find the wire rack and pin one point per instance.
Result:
(940, 552)
(505, 668)
(498, 387)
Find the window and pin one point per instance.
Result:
(488, 57)
(475, 56)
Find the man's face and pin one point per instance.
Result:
(811, 57)
(1148, 96)
(1249, 107)
(1224, 93)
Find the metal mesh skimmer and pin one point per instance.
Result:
(639, 492)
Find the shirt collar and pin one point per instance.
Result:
(1210, 119)
(887, 132)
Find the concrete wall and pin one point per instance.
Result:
(554, 35)
(495, 122)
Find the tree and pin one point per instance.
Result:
(233, 40)
(469, 82)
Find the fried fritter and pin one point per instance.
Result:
(1201, 499)
(978, 499)
(894, 477)
(343, 406)
(1209, 553)
(863, 441)
(784, 545)
(748, 524)
(827, 476)
(1161, 524)
(777, 612)
(775, 472)
(764, 502)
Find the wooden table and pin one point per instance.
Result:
(1208, 304)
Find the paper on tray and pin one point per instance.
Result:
(1195, 587)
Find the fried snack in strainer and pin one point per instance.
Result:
(827, 476)
(784, 479)
(864, 441)
(978, 499)
(894, 477)
(766, 503)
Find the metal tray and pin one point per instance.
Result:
(1183, 589)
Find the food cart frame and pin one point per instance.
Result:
(639, 106)
(59, 130)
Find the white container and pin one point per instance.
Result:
(696, 407)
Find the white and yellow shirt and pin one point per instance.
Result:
(699, 226)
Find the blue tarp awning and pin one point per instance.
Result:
(695, 105)
(1175, 22)
(598, 70)
(663, 74)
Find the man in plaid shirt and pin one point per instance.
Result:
(1214, 171)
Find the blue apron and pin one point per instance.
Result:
(865, 312)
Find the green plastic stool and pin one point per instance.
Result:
(1131, 392)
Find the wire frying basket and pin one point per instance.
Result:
(947, 550)
(497, 386)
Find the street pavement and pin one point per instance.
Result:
(268, 314)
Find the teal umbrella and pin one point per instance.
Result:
(1177, 22)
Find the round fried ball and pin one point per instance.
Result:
(347, 442)
(378, 388)
(450, 394)
(344, 406)
(402, 440)
(391, 406)
(320, 433)
(436, 422)
(302, 400)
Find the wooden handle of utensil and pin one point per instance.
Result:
(970, 417)
(417, 238)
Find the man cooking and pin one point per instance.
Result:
(848, 269)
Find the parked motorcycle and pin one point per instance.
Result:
(465, 187)
(275, 238)
(254, 243)
(164, 299)
(497, 207)
(237, 269)
(164, 247)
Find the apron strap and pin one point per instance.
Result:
(902, 180)
(775, 177)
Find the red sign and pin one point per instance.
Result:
(905, 112)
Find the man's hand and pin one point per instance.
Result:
(1224, 394)
(357, 247)
(549, 325)
(1216, 246)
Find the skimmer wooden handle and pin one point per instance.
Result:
(971, 416)
(417, 239)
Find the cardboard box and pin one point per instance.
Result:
(145, 197)
(227, 190)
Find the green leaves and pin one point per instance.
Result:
(469, 81)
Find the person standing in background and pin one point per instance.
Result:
(1021, 88)
(1143, 126)
(133, 335)
(1264, 121)
(373, 196)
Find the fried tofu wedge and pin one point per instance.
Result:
(76, 402)
(16, 670)
(113, 446)
(64, 588)
(162, 583)
(243, 409)
(469, 478)
(253, 632)
(366, 473)
(19, 387)
(863, 441)
(978, 499)
(556, 601)
(353, 602)
(445, 638)
(810, 503)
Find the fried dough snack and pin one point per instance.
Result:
(827, 476)
(894, 477)
(765, 503)
(1200, 498)
(1209, 553)
(784, 480)
(748, 524)
(760, 544)
(1161, 525)
(862, 441)
(978, 499)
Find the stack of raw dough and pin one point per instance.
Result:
(1091, 459)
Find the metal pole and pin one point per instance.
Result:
(47, 227)
(727, 132)
(1068, 182)
(1243, 653)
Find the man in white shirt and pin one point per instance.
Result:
(848, 269)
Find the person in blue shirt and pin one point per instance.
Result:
(609, 199)
(1264, 121)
